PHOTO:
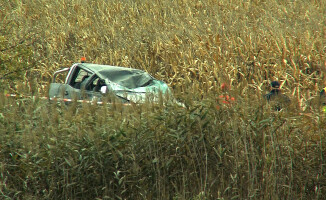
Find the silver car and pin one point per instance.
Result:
(86, 81)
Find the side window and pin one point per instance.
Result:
(92, 83)
(95, 84)
(80, 78)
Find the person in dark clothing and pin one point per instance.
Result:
(99, 85)
(323, 93)
(276, 98)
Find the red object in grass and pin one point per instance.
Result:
(224, 86)
(227, 99)
(83, 59)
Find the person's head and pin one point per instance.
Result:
(275, 85)
(100, 82)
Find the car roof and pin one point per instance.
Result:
(108, 68)
(127, 77)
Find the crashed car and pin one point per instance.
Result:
(87, 81)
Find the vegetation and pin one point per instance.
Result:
(245, 151)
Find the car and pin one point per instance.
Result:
(88, 81)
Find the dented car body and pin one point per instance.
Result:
(87, 81)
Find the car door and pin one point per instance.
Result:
(56, 90)
(75, 86)
(91, 89)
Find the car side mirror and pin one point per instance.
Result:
(104, 89)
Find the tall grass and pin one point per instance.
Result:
(247, 151)
(53, 151)
(189, 44)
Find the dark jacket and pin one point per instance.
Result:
(277, 99)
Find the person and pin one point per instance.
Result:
(276, 97)
(99, 85)
(323, 93)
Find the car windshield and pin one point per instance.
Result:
(126, 77)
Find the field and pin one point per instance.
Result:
(206, 150)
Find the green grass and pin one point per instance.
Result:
(54, 151)
(247, 151)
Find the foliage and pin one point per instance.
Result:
(243, 151)
(14, 60)
(16, 52)
(192, 45)
(54, 151)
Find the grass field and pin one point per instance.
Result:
(243, 151)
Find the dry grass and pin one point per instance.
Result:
(51, 151)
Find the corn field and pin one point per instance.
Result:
(205, 150)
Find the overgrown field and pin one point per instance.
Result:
(206, 150)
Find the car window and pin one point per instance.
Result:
(80, 78)
(81, 75)
(91, 83)
(95, 84)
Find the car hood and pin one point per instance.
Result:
(139, 95)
